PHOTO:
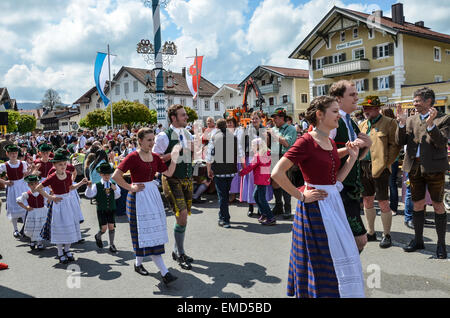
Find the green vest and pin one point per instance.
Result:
(183, 169)
(353, 179)
(105, 202)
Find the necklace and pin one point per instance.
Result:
(321, 133)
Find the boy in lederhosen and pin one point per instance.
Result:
(106, 193)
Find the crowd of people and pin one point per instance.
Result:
(334, 164)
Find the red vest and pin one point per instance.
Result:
(14, 173)
(35, 202)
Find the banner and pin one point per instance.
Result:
(193, 73)
(101, 74)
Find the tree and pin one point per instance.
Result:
(51, 99)
(154, 116)
(13, 117)
(128, 113)
(94, 119)
(192, 114)
(26, 123)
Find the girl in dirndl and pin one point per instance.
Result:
(34, 203)
(63, 222)
(324, 260)
(15, 171)
(145, 209)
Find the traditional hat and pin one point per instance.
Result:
(11, 148)
(372, 100)
(279, 112)
(105, 168)
(23, 145)
(45, 147)
(32, 178)
(60, 155)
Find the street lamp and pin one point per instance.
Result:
(154, 54)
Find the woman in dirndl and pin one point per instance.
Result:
(324, 259)
(247, 186)
(15, 170)
(145, 209)
(63, 222)
(42, 164)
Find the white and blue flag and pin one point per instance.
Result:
(101, 74)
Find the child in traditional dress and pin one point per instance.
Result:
(34, 203)
(105, 193)
(16, 170)
(62, 227)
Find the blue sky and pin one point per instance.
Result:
(52, 44)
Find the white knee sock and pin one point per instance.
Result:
(139, 260)
(14, 223)
(66, 247)
(60, 249)
(160, 264)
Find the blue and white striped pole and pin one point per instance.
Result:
(160, 96)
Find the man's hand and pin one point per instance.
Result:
(402, 115)
(210, 174)
(363, 141)
(430, 119)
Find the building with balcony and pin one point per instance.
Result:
(281, 87)
(384, 56)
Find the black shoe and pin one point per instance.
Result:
(441, 252)
(188, 258)
(220, 222)
(63, 259)
(113, 249)
(32, 246)
(410, 224)
(371, 237)
(198, 201)
(184, 263)
(250, 213)
(386, 241)
(278, 209)
(414, 246)
(169, 278)
(17, 234)
(70, 257)
(98, 240)
(141, 270)
(426, 222)
(287, 216)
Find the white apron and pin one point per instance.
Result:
(76, 197)
(341, 242)
(151, 217)
(65, 226)
(35, 222)
(13, 210)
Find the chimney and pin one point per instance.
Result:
(183, 72)
(397, 13)
(420, 24)
(378, 13)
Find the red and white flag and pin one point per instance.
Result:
(194, 73)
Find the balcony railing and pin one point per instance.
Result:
(270, 88)
(346, 68)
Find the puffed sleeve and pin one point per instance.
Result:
(49, 181)
(298, 151)
(126, 163)
(23, 198)
(91, 191)
(2, 168)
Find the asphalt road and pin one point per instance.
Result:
(247, 260)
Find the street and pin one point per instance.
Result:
(247, 260)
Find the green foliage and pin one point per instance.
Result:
(13, 117)
(94, 119)
(26, 123)
(154, 116)
(128, 113)
(192, 114)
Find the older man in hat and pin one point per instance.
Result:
(376, 167)
(283, 136)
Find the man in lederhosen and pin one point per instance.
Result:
(178, 188)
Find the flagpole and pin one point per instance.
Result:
(198, 102)
(110, 89)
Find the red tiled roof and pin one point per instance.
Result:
(234, 86)
(289, 72)
(406, 27)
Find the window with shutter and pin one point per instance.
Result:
(366, 84)
(314, 91)
(375, 83)
(375, 52)
(391, 81)
(314, 64)
(391, 49)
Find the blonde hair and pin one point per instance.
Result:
(259, 146)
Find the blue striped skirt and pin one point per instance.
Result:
(311, 269)
(131, 213)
